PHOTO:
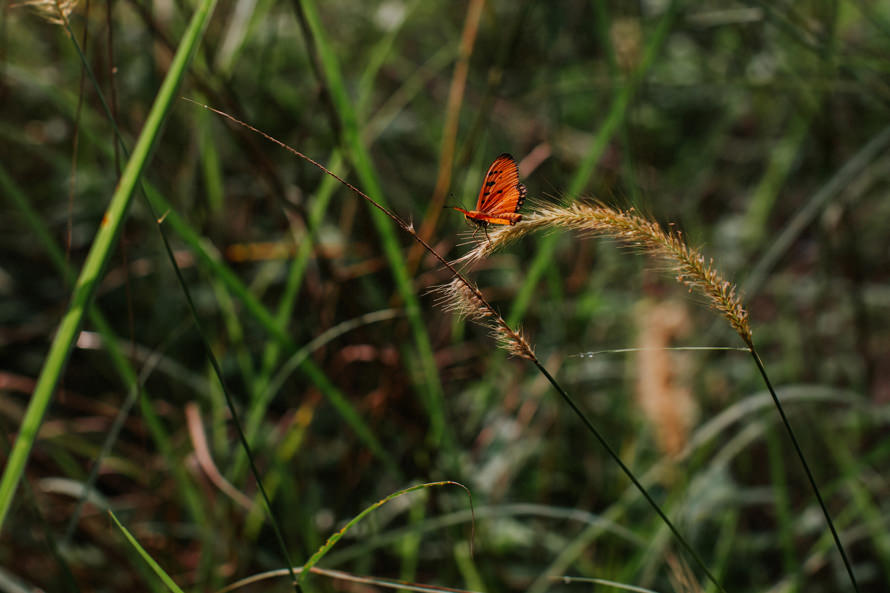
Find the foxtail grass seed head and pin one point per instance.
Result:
(461, 299)
(595, 219)
(513, 341)
(465, 300)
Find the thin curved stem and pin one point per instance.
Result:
(806, 466)
(628, 473)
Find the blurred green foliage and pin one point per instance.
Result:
(758, 129)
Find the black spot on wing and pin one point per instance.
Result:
(523, 191)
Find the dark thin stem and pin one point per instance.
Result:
(75, 140)
(111, 80)
(408, 228)
(114, 430)
(51, 542)
(231, 405)
(628, 473)
(806, 466)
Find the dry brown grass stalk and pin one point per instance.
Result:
(634, 230)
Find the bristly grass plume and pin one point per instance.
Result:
(463, 298)
(630, 228)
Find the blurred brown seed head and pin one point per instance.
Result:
(54, 11)
(626, 41)
(662, 393)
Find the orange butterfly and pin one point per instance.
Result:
(501, 195)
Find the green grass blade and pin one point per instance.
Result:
(319, 206)
(165, 578)
(185, 486)
(364, 168)
(300, 260)
(211, 167)
(211, 261)
(326, 547)
(94, 266)
(288, 301)
(376, 58)
(604, 582)
(603, 22)
(785, 531)
(207, 257)
(853, 168)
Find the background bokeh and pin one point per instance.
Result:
(760, 130)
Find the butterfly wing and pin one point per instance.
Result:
(501, 195)
(501, 192)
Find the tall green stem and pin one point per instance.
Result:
(94, 266)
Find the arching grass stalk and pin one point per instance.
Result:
(324, 549)
(463, 297)
(384, 583)
(333, 539)
(692, 269)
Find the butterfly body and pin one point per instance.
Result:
(500, 197)
(483, 219)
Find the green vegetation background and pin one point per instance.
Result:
(761, 130)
